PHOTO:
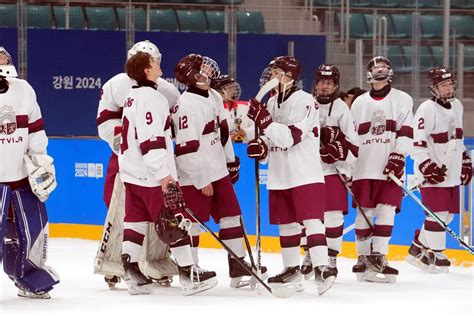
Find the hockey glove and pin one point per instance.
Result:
(257, 149)
(41, 175)
(333, 152)
(431, 172)
(234, 168)
(466, 171)
(329, 134)
(259, 114)
(395, 164)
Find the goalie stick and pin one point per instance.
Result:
(432, 214)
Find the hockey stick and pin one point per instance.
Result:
(267, 87)
(249, 249)
(432, 214)
(281, 293)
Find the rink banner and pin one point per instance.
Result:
(67, 68)
(76, 207)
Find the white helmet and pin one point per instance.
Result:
(145, 47)
(6, 64)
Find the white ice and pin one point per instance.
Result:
(83, 293)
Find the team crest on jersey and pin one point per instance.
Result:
(378, 121)
(7, 120)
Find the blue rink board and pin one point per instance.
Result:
(81, 165)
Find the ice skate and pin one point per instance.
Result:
(194, 280)
(307, 266)
(289, 277)
(418, 256)
(324, 277)
(360, 268)
(237, 273)
(22, 292)
(378, 269)
(111, 281)
(439, 263)
(333, 261)
(137, 283)
(164, 281)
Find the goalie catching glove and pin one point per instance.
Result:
(41, 175)
(171, 226)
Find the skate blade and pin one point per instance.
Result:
(437, 270)
(192, 289)
(360, 276)
(296, 285)
(417, 263)
(372, 276)
(43, 296)
(163, 282)
(145, 289)
(323, 287)
(253, 281)
(283, 290)
(238, 282)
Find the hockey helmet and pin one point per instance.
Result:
(145, 47)
(328, 72)
(7, 69)
(189, 66)
(438, 76)
(379, 68)
(290, 66)
(227, 87)
(169, 227)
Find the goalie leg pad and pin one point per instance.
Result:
(31, 223)
(5, 198)
(108, 259)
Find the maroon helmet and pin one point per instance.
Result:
(290, 65)
(437, 75)
(326, 71)
(329, 72)
(168, 227)
(387, 74)
(186, 69)
(221, 81)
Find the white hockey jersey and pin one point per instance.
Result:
(113, 96)
(201, 128)
(21, 129)
(338, 114)
(384, 126)
(293, 142)
(239, 119)
(146, 149)
(434, 126)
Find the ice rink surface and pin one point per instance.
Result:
(83, 293)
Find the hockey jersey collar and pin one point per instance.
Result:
(380, 94)
(446, 105)
(201, 92)
(286, 95)
(146, 83)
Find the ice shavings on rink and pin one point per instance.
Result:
(83, 293)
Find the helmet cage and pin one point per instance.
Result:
(379, 62)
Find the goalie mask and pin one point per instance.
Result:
(195, 69)
(145, 47)
(379, 69)
(228, 88)
(442, 84)
(171, 226)
(326, 85)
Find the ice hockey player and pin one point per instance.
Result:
(241, 128)
(147, 166)
(339, 148)
(383, 118)
(27, 178)
(289, 141)
(155, 261)
(438, 122)
(207, 166)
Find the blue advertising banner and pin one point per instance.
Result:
(81, 166)
(9, 40)
(67, 70)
